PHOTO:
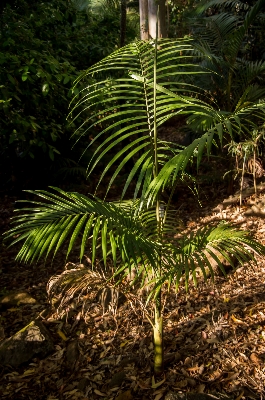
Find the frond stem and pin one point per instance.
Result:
(169, 201)
(146, 101)
(158, 317)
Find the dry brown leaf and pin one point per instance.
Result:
(235, 310)
(192, 382)
(231, 376)
(157, 384)
(226, 315)
(71, 392)
(159, 395)
(237, 321)
(62, 335)
(193, 369)
(240, 395)
(143, 385)
(158, 391)
(184, 372)
(214, 376)
(212, 340)
(127, 395)
(29, 372)
(204, 335)
(201, 369)
(181, 384)
(200, 388)
(100, 393)
(255, 359)
(187, 361)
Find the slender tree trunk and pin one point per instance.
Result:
(168, 16)
(152, 15)
(158, 337)
(158, 317)
(143, 9)
(162, 19)
(123, 23)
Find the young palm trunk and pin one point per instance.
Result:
(158, 337)
(158, 317)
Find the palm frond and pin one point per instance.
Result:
(222, 4)
(235, 38)
(220, 26)
(125, 109)
(127, 234)
(72, 282)
(252, 94)
(199, 250)
(222, 43)
(125, 104)
(59, 217)
(251, 71)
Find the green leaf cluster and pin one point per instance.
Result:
(137, 233)
(43, 48)
(126, 97)
(230, 36)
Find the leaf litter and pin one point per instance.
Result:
(214, 334)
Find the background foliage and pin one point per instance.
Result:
(211, 80)
(44, 47)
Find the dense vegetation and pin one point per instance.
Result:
(213, 80)
(44, 47)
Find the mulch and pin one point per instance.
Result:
(214, 334)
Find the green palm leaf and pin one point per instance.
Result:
(46, 226)
(126, 106)
(126, 232)
(197, 251)
(132, 231)
(222, 46)
(131, 126)
(223, 4)
(235, 38)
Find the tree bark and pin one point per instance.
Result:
(152, 15)
(123, 23)
(162, 20)
(143, 10)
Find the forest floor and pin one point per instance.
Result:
(214, 334)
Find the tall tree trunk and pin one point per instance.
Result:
(152, 15)
(143, 10)
(162, 19)
(123, 23)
